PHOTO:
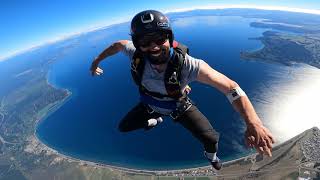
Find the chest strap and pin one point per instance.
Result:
(172, 79)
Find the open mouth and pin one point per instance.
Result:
(155, 53)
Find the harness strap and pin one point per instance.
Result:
(172, 75)
(177, 108)
(145, 91)
(172, 105)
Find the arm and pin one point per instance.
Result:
(256, 135)
(111, 50)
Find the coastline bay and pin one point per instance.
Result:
(22, 150)
(139, 158)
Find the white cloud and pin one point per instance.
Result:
(280, 8)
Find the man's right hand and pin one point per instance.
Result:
(95, 70)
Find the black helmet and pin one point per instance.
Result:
(147, 22)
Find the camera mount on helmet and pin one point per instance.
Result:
(150, 21)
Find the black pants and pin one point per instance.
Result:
(192, 119)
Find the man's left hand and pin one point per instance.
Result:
(260, 138)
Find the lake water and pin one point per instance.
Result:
(86, 125)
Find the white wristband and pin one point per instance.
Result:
(235, 94)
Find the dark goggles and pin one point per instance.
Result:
(158, 39)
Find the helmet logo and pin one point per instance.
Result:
(147, 18)
(163, 24)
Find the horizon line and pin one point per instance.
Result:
(210, 7)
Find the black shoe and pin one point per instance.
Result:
(216, 164)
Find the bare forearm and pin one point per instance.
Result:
(209, 76)
(244, 107)
(256, 134)
(111, 50)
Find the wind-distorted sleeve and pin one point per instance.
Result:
(129, 49)
(190, 69)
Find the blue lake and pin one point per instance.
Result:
(86, 125)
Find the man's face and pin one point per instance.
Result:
(156, 46)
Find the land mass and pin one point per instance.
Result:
(297, 39)
(287, 49)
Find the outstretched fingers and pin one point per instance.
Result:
(268, 138)
(249, 141)
(96, 71)
(260, 150)
(266, 149)
(269, 142)
(99, 71)
(261, 139)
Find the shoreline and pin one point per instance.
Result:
(83, 162)
(70, 158)
(53, 107)
(58, 104)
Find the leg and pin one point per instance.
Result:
(136, 119)
(200, 127)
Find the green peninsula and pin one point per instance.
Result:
(287, 49)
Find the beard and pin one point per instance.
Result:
(158, 57)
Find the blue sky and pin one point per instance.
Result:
(33, 22)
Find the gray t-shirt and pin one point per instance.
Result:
(153, 81)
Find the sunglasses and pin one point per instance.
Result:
(158, 39)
